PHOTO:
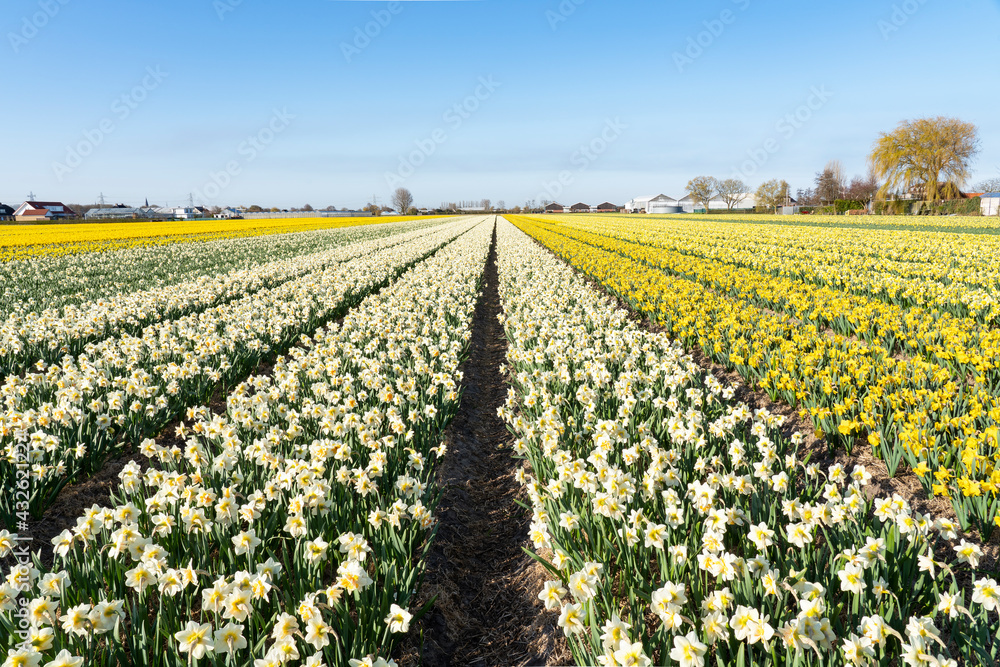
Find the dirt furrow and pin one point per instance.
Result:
(486, 613)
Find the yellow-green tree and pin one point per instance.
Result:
(772, 194)
(930, 153)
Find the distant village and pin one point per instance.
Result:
(47, 211)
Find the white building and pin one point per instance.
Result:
(990, 203)
(227, 214)
(179, 212)
(716, 203)
(689, 204)
(652, 204)
(748, 201)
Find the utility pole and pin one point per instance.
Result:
(101, 200)
(191, 200)
(31, 196)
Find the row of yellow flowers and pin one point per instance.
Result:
(912, 409)
(904, 268)
(21, 241)
(960, 344)
(862, 221)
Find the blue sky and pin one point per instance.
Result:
(242, 101)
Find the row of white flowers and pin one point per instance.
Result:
(289, 530)
(65, 418)
(58, 330)
(56, 280)
(681, 527)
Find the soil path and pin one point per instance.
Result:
(486, 613)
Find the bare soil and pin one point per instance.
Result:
(486, 612)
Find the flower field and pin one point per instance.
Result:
(286, 401)
(21, 241)
(890, 337)
(654, 493)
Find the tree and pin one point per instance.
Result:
(501, 206)
(373, 208)
(773, 193)
(934, 154)
(486, 205)
(836, 170)
(402, 200)
(806, 197)
(863, 188)
(827, 187)
(307, 207)
(989, 185)
(703, 189)
(733, 191)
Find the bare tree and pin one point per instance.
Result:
(733, 191)
(989, 185)
(863, 188)
(703, 189)
(486, 205)
(836, 170)
(501, 206)
(402, 200)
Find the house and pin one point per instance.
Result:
(606, 207)
(579, 208)
(652, 204)
(41, 211)
(989, 203)
(228, 214)
(120, 213)
(6, 212)
(177, 212)
(554, 208)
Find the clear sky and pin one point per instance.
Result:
(283, 104)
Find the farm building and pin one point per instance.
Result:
(579, 208)
(554, 208)
(652, 204)
(990, 203)
(40, 211)
(689, 205)
(606, 207)
(120, 212)
(6, 212)
(178, 212)
(748, 201)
